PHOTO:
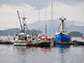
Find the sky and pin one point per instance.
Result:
(73, 10)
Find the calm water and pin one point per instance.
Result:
(58, 54)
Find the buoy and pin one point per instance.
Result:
(7, 36)
(12, 41)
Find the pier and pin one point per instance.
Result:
(6, 42)
(37, 43)
(32, 44)
(65, 43)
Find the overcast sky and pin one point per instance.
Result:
(73, 10)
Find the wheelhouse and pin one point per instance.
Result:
(45, 39)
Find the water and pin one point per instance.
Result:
(25, 54)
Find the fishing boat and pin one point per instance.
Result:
(78, 42)
(82, 37)
(45, 41)
(22, 38)
(61, 33)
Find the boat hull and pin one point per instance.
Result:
(63, 38)
(78, 42)
(44, 44)
(20, 44)
(82, 37)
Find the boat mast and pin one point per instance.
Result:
(45, 23)
(51, 18)
(24, 23)
(38, 23)
(62, 20)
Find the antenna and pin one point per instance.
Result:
(51, 18)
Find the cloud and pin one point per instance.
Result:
(70, 2)
(39, 4)
(1, 29)
(9, 19)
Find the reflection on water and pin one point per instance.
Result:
(63, 49)
(45, 49)
(58, 54)
(25, 54)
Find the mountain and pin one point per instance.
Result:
(41, 24)
(76, 34)
(76, 28)
(9, 31)
(69, 24)
(12, 31)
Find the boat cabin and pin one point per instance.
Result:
(45, 39)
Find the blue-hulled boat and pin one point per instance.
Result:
(61, 33)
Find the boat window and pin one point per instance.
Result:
(41, 40)
(63, 31)
(25, 38)
(45, 39)
(20, 38)
(48, 40)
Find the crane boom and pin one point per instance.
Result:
(19, 19)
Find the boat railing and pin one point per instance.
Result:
(61, 31)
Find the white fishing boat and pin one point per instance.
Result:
(22, 38)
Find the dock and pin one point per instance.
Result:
(6, 42)
(65, 43)
(36, 44)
